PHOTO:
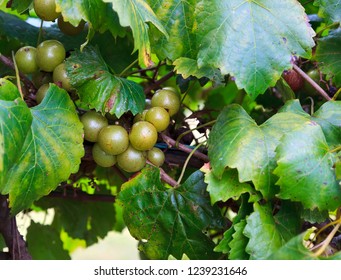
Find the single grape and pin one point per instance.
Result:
(60, 76)
(102, 158)
(42, 92)
(167, 99)
(113, 139)
(143, 136)
(50, 53)
(158, 117)
(131, 160)
(45, 9)
(156, 156)
(26, 61)
(93, 123)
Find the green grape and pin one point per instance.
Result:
(131, 160)
(102, 158)
(45, 9)
(143, 136)
(140, 116)
(158, 117)
(50, 54)
(113, 139)
(42, 92)
(60, 76)
(156, 156)
(25, 58)
(93, 123)
(167, 99)
(69, 29)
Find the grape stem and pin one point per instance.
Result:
(172, 143)
(311, 82)
(159, 82)
(17, 75)
(164, 176)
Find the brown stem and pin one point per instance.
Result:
(312, 82)
(171, 142)
(9, 230)
(159, 82)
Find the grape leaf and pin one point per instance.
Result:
(239, 243)
(329, 9)
(244, 210)
(236, 141)
(21, 5)
(135, 14)
(227, 187)
(169, 221)
(266, 233)
(43, 146)
(49, 239)
(189, 67)
(248, 40)
(98, 88)
(177, 18)
(99, 15)
(305, 166)
(328, 117)
(328, 53)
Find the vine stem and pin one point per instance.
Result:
(191, 130)
(159, 82)
(335, 150)
(171, 142)
(186, 163)
(311, 82)
(128, 67)
(17, 75)
(323, 245)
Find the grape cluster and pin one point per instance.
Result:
(131, 149)
(46, 61)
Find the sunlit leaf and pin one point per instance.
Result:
(43, 146)
(248, 40)
(305, 166)
(236, 141)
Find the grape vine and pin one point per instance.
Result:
(209, 129)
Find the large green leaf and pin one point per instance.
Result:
(328, 53)
(305, 166)
(49, 239)
(236, 141)
(169, 221)
(178, 20)
(266, 233)
(248, 40)
(135, 14)
(43, 146)
(329, 9)
(98, 88)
